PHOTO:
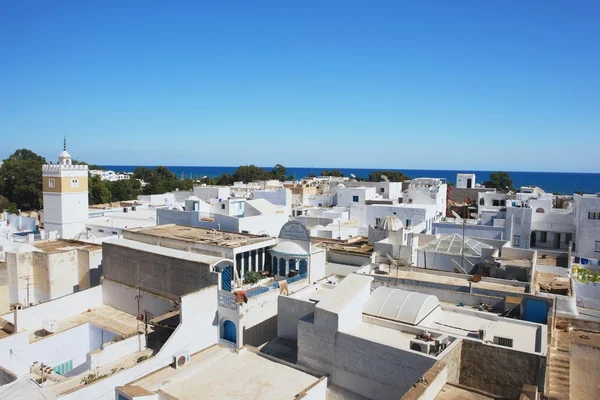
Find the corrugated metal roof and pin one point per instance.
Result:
(332, 268)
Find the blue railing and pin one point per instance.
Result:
(295, 278)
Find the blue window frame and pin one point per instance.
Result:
(355, 199)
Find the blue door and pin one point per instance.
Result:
(303, 267)
(274, 266)
(535, 311)
(229, 333)
(292, 264)
(281, 267)
(226, 278)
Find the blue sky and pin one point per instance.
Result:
(437, 85)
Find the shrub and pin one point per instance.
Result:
(252, 277)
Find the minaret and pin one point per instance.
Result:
(65, 196)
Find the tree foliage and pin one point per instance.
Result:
(279, 172)
(251, 173)
(98, 191)
(160, 180)
(21, 179)
(393, 176)
(500, 181)
(335, 172)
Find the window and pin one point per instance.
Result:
(51, 183)
(503, 203)
(539, 210)
(382, 190)
(568, 238)
(517, 240)
(496, 203)
(121, 397)
(355, 199)
(482, 201)
(506, 342)
(114, 232)
(409, 222)
(101, 230)
(517, 220)
(597, 246)
(400, 200)
(222, 206)
(377, 220)
(593, 215)
(543, 237)
(74, 183)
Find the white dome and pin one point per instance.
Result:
(400, 305)
(64, 154)
(341, 185)
(390, 223)
(289, 249)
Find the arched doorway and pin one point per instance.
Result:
(532, 241)
(226, 276)
(292, 264)
(229, 332)
(274, 266)
(303, 269)
(281, 266)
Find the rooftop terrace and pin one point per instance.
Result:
(61, 245)
(200, 235)
(219, 373)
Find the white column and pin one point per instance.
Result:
(256, 266)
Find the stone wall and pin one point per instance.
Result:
(498, 370)
(161, 274)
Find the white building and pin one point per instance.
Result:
(110, 176)
(65, 191)
(257, 216)
(465, 181)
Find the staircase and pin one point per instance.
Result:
(558, 369)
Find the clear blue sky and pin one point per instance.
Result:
(439, 85)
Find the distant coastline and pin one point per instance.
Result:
(551, 182)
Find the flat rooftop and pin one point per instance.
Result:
(558, 260)
(200, 235)
(516, 262)
(450, 392)
(165, 251)
(102, 316)
(219, 373)
(445, 279)
(62, 245)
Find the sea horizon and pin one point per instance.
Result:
(551, 182)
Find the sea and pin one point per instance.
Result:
(551, 182)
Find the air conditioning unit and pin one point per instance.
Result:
(422, 346)
(181, 358)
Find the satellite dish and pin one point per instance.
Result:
(384, 178)
(353, 176)
(474, 215)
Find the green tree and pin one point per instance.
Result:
(225, 180)
(335, 172)
(500, 181)
(392, 176)
(21, 179)
(251, 173)
(98, 191)
(279, 172)
(128, 189)
(142, 173)
(26, 155)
